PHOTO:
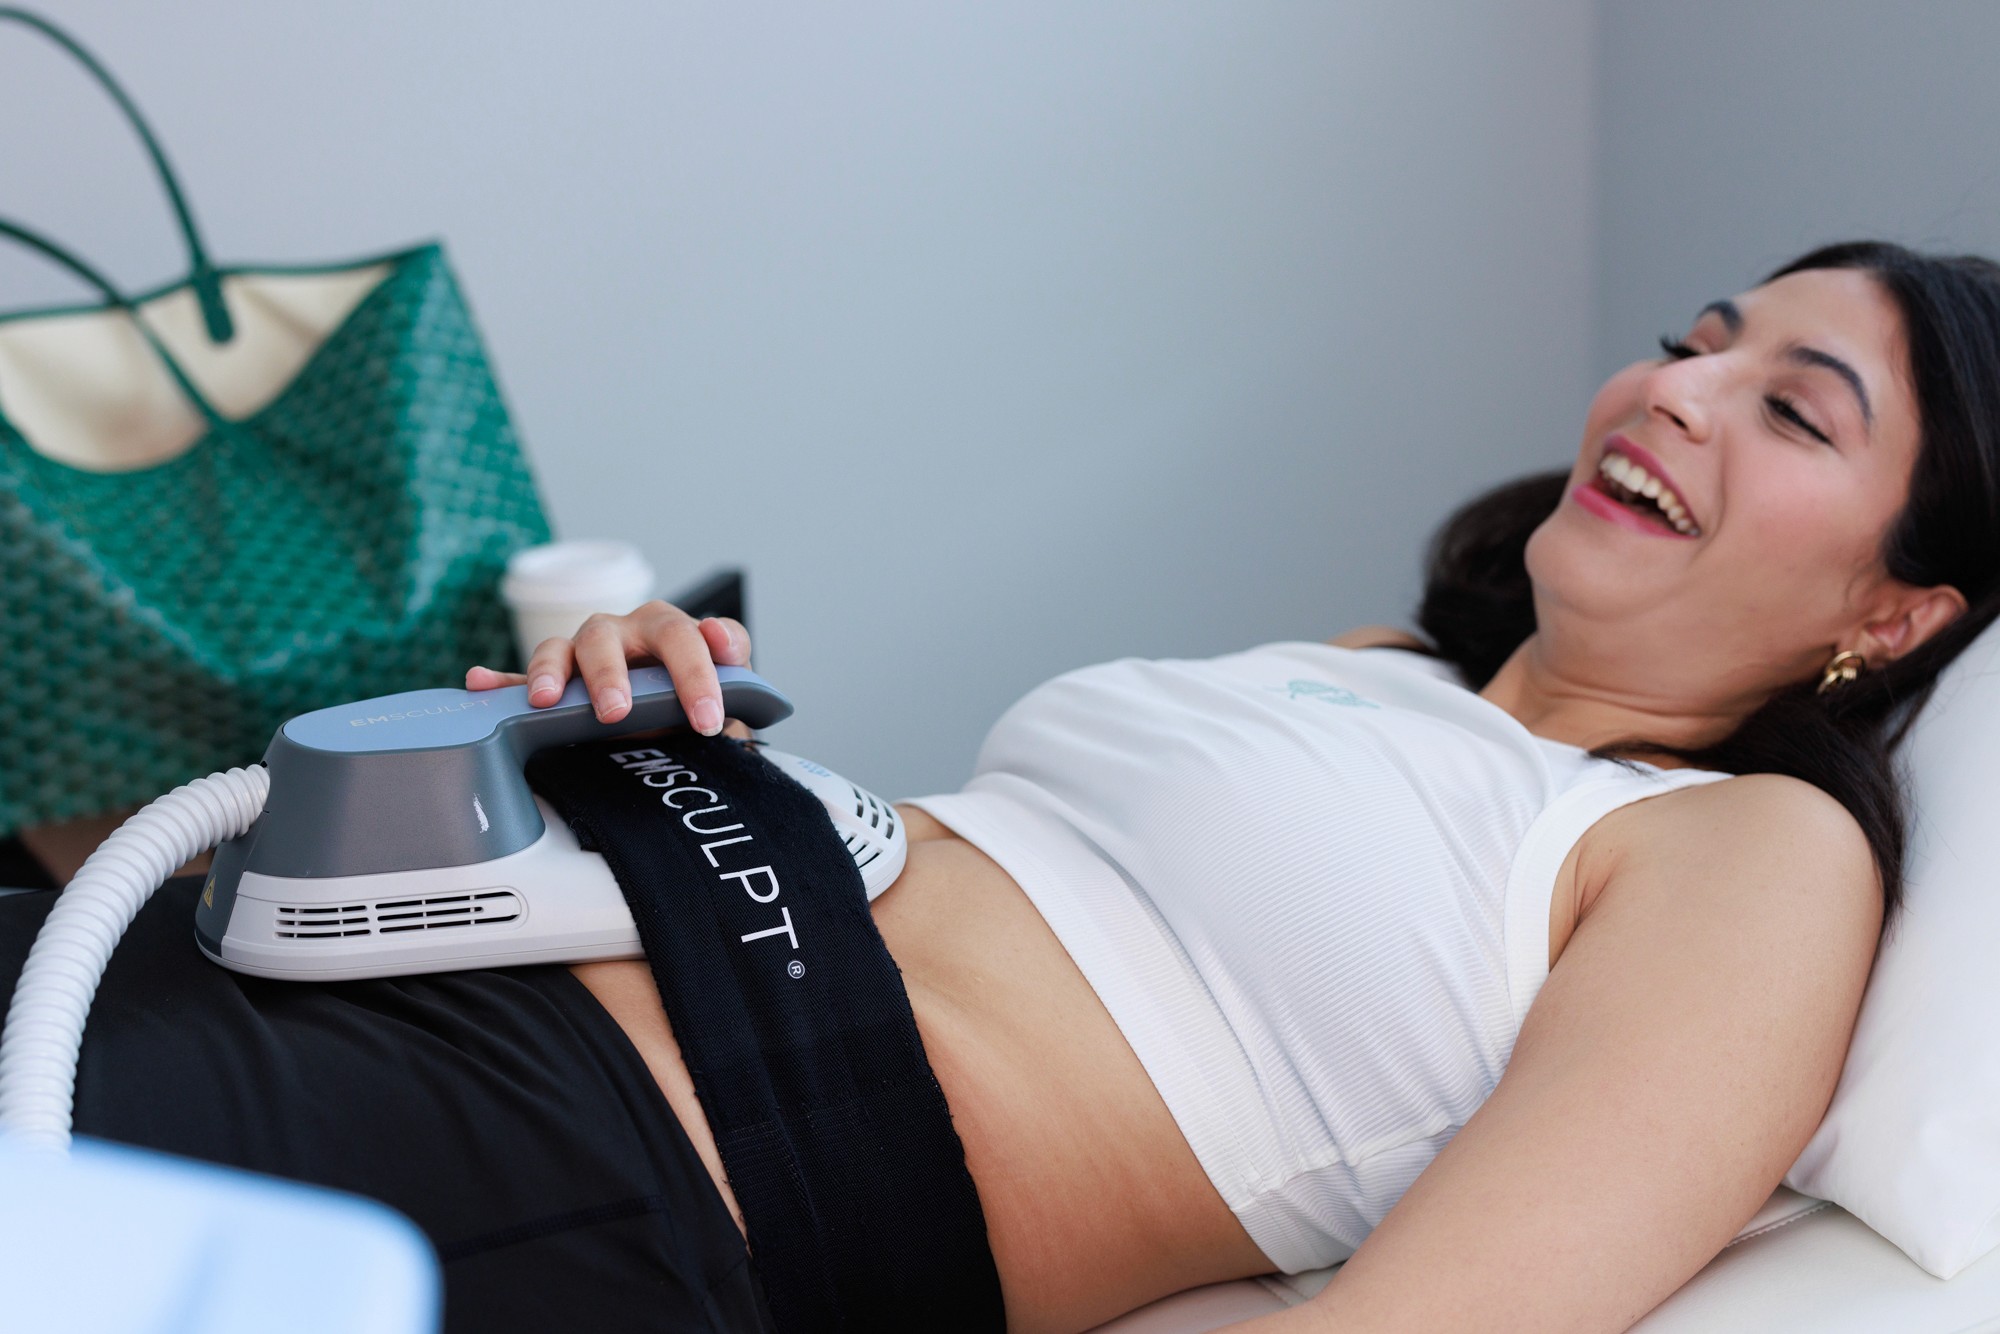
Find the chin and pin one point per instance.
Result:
(1577, 560)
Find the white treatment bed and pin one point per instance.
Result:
(1800, 1265)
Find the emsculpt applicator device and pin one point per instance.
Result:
(386, 837)
(400, 836)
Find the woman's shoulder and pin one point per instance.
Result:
(1377, 636)
(1756, 852)
(1751, 806)
(1739, 830)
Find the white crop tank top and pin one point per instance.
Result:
(1311, 885)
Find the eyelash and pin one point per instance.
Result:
(1780, 406)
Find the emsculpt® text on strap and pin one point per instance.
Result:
(795, 1028)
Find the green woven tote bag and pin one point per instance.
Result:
(344, 539)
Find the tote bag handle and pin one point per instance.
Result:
(202, 275)
(113, 297)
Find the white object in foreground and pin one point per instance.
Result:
(111, 1239)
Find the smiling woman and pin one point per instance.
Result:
(1830, 439)
(1698, 639)
(1440, 965)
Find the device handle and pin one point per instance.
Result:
(446, 717)
(572, 718)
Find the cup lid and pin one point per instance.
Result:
(564, 571)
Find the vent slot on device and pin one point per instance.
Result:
(485, 907)
(322, 923)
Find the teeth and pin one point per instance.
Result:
(1635, 479)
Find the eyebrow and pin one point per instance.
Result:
(1732, 318)
(1812, 356)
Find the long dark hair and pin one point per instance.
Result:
(1478, 606)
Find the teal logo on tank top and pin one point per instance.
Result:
(1324, 692)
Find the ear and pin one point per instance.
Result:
(1913, 615)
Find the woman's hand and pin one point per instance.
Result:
(606, 645)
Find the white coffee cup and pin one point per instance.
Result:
(551, 589)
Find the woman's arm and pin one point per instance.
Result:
(1678, 1058)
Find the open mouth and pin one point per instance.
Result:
(1647, 496)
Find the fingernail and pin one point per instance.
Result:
(707, 717)
(610, 701)
(542, 685)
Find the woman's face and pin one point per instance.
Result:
(1787, 428)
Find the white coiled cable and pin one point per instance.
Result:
(44, 1031)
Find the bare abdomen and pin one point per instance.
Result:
(1094, 1203)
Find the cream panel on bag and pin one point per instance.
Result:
(85, 389)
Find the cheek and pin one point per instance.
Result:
(1796, 545)
(1617, 403)
(1788, 534)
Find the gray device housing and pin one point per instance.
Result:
(428, 779)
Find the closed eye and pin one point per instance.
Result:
(1783, 407)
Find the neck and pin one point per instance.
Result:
(1586, 700)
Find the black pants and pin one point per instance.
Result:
(504, 1111)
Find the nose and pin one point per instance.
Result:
(1681, 391)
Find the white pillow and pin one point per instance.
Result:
(1911, 1142)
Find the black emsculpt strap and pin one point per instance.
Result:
(795, 1027)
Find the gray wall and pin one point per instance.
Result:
(994, 341)
(1737, 136)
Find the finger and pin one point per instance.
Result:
(737, 728)
(603, 644)
(548, 672)
(485, 678)
(684, 647)
(686, 651)
(728, 641)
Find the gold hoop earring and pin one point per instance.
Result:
(1846, 665)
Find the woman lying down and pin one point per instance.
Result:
(1519, 961)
